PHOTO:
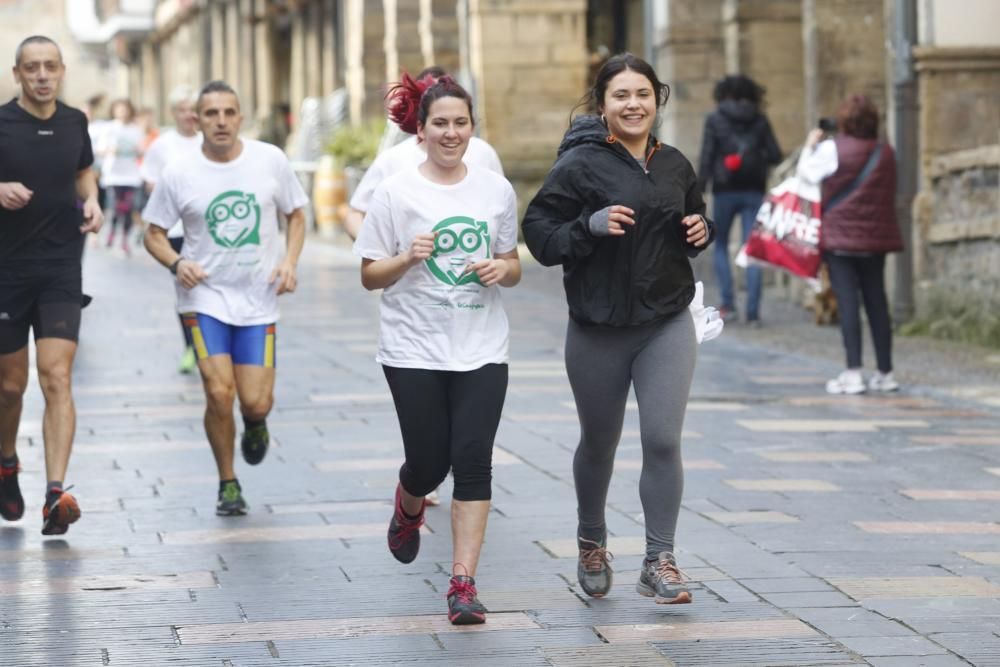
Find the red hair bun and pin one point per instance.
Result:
(403, 101)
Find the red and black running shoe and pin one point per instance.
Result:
(11, 500)
(61, 509)
(464, 608)
(404, 532)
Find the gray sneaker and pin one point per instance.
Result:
(660, 579)
(593, 570)
(231, 501)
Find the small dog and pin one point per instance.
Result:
(824, 302)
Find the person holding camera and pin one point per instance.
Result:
(857, 174)
(738, 147)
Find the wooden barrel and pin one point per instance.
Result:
(329, 193)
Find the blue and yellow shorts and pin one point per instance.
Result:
(251, 345)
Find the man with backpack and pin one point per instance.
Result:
(738, 147)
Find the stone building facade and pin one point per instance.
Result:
(528, 62)
(524, 60)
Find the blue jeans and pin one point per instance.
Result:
(728, 205)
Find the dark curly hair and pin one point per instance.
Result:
(858, 117)
(738, 87)
(409, 101)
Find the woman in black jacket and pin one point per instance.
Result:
(737, 149)
(622, 213)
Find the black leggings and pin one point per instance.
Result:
(124, 202)
(850, 274)
(448, 420)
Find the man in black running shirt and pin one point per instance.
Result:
(48, 201)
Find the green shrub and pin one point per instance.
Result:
(355, 146)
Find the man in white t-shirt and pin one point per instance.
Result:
(408, 153)
(230, 271)
(184, 139)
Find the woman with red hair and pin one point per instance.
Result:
(857, 173)
(439, 240)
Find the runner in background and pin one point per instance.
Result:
(182, 140)
(120, 149)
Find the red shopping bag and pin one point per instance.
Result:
(786, 232)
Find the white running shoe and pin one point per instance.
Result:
(883, 382)
(432, 498)
(848, 382)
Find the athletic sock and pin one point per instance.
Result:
(223, 482)
(8, 462)
(411, 517)
(53, 490)
(249, 424)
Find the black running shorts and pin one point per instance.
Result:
(44, 296)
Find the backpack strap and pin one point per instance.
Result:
(856, 181)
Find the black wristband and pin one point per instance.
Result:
(173, 267)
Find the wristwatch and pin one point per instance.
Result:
(173, 267)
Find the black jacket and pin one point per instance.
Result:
(641, 277)
(737, 126)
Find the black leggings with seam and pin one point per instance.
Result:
(448, 420)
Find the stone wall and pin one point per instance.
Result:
(957, 248)
(764, 41)
(690, 56)
(850, 38)
(959, 98)
(530, 62)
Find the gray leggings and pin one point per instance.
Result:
(602, 362)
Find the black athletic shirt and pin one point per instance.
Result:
(44, 156)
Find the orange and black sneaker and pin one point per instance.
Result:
(61, 509)
(11, 500)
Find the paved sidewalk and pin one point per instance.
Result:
(817, 530)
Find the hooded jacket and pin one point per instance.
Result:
(737, 126)
(629, 280)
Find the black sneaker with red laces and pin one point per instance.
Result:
(11, 500)
(464, 608)
(404, 532)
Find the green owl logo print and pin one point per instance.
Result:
(233, 219)
(461, 241)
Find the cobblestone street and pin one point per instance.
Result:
(817, 530)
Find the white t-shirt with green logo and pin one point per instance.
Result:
(230, 216)
(435, 317)
(409, 153)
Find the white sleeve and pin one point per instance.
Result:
(161, 209)
(507, 227)
(493, 160)
(152, 162)
(481, 154)
(291, 195)
(375, 174)
(377, 239)
(817, 163)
